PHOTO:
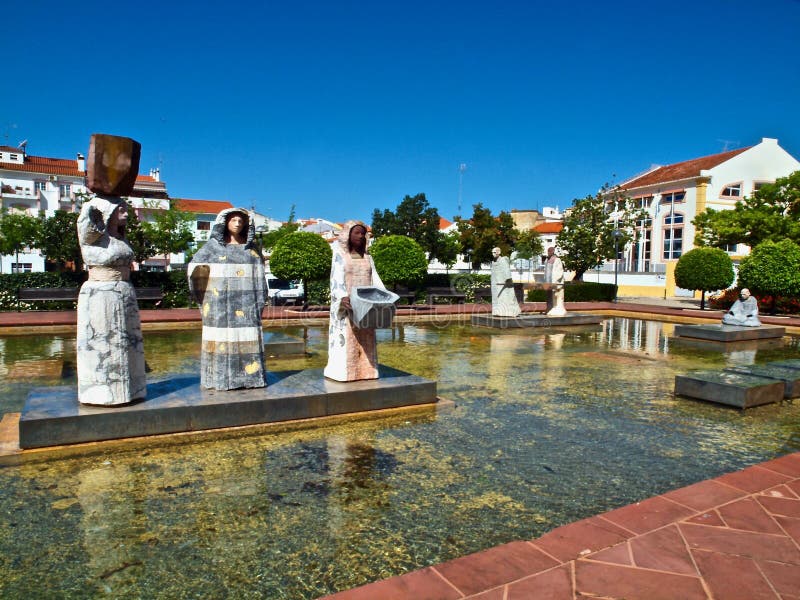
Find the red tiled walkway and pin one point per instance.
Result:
(736, 537)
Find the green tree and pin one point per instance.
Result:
(587, 239)
(414, 218)
(483, 232)
(772, 213)
(399, 259)
(704, 269)
(449, 249)
(137, 237)
(58, 239)
(170, 231)
(301, 255)
(270, 238)
(528, 245)
(772, 268)
(18, 231)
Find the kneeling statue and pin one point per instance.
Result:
(743, 312)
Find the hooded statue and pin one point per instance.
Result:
(352, 352)
(110, 347)
(226, 278)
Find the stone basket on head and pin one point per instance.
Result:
(113, 164)
(373, 308)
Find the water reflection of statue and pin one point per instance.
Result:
(110, 348)
(504, 300)
(744, 311)
(352, 351)
(226, 277)
(554, 276)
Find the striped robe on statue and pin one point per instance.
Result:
(227, 280)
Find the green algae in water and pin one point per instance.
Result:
(549, 427)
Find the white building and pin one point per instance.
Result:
(674, 194)
(38, 183)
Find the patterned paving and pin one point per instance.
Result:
(736, 537)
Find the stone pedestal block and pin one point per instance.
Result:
(734, 389)
(789, 377)
(52, 416)
(535, 320)
(112, 164)
(729, 333)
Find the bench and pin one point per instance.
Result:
(409, 295)
(485, 294)
(446, 292)
(71, 294)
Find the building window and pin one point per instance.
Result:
(733, 190)
(64, 189)
(203, 226)
(757, 185)
(730, 248)
(640, 256)
(672, 197)
(13, 157)
(21, 267)
(643, 203)
(39, 186)
(673, 236)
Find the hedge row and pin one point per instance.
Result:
(579, 291)
(173, 284)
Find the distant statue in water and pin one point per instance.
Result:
(743, 312)
(554, 276)
(110, 347)
(504, 300)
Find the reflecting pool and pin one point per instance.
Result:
(549, 427)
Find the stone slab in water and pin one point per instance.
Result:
(733, 389)
(535, 321)
(789, 363)
(789, 377)
(729, 333)
(52, 416)
(279, 344)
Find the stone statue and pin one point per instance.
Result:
(743, 312)
(504, 300)
(352, 351)
(554, 277)
(110, 347)
(226, 278)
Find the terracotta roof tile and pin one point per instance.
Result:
(201, 206)
(444, 223)
(145, 179)
(554, 227)
(681, 170)
(49, 166)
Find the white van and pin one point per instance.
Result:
(284, 292)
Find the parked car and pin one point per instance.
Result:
(283, 292)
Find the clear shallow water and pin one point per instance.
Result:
(548, 428)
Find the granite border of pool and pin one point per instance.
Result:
(736, 536)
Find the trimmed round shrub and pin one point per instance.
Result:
(772, 268)
(301, 255)
(704, 269)
(399, 259)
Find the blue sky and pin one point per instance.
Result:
(341, 107)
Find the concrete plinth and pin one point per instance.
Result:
(790, 363)
(733, 389)
(53, 416)
(729, 333)
(790, 377)
(279, 344)
(528, 320)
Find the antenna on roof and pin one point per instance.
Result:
(22, 144)
(729, 144)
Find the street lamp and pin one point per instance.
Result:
(616, 234)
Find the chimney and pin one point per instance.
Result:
(81, 162)
(155, 174)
